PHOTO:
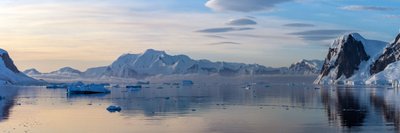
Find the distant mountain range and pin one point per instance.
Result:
(153, 62)
(351, 60)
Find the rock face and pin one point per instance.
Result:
(9, 73)
(9, 62)
(349, 53)
(306, 67)
(153, 62)
(390, 55)
(349, 58)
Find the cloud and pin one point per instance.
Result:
(299, 25)
(225, 43)
(223, 29)
(366, 8)
(241, 21)
(243, 5)
(393, 16)
(319, 35)
(215, 36)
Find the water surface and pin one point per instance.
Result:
(274, 104)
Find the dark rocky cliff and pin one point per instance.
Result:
(350, 53)
(391, 54)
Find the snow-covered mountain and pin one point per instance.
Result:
(350, 60)
(62, 74)
(153, 62)
(386, 69)
(390, 55)
(9, 73)
(66, 71)
(32, 71)
(306, 67)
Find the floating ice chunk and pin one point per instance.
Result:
(143, 82)
(133, 86)
(187, 82)
(87, 89)
(113, 108)
(116, 86)
(247, 87)
(57, 85)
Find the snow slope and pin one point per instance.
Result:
(388, 75)
(9, 73)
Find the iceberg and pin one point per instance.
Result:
(113, 108)
(187, 82)
(56, 86)
(87, 89)
(143, 82)
(133, 86)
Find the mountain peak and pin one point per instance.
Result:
(153, 52)
(67, 70)
(32, 71)
(356, 36)
(351, 37)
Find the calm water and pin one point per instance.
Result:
(274, 104)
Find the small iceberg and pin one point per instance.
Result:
(133, 86)
(116, 86)
(248, 87)
(113, 108)
(187, 82)
(105, 84)
(87, 89)
(143, 83)
(57, 86)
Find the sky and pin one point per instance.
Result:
(50, 34)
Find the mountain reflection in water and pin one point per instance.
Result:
(271, 105)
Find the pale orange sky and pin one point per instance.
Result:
(49, 34)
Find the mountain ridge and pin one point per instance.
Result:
(357, 61)
(9, 73)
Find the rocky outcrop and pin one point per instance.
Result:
(9, 62)
(391, 54)
(349, 57)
